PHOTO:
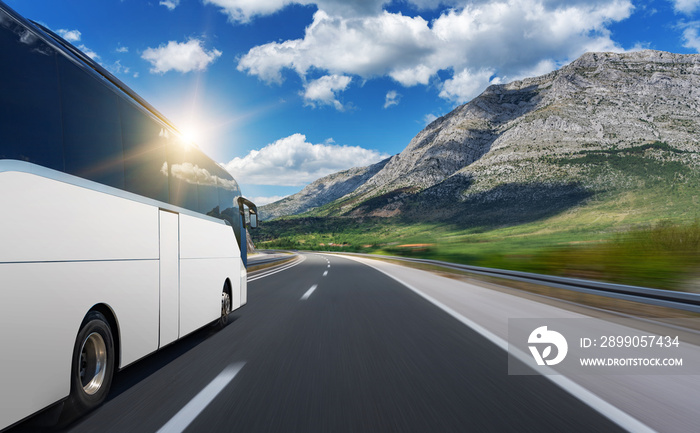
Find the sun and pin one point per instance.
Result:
(191, 134)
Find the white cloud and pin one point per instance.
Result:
(170, 4)
(118, 68)
(69, 35)
(74, 36)
(370, 46)
(180, 56)
(466, 85)
(88, 52)
(194, 174)
(392, 98)
(544, 67)
(243, 11)
(429, 118)
(262, 201)
(122, 49)
(507, 37)
(292, 161)
(639, 46)
(686, 6)
(691, 38)
(325, 89)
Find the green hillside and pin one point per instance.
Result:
(634, 221)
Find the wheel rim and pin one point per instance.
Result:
(93, 363)
(225, 304)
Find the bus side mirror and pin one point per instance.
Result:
(252, 212)
(253, 220)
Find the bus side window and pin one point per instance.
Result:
(183, 176)
(228, 192)
(207, 185)
(30, 120)
(91, 127)
(145, 162)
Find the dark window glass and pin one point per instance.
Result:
(30, 119)
(145, 162)
(228, 194)
(183, 173)
(227, 199)
(91, 128)
(228, 190)
(229, 210)
(208, 200)
(208, 182)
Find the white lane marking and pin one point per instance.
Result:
(187, 414)
(283, 268)
(616, 415)
(329, 265)
(325, 273)
(308, 293)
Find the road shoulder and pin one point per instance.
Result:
(664, 403)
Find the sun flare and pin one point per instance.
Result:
(191, 134)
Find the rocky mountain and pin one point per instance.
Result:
(604, 122)
(322, 191)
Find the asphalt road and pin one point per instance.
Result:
(359, 353)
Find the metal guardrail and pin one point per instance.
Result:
(255, 261)
(663, 298)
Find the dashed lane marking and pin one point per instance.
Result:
(308, 293)
(187, 414)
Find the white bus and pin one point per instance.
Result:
(116, 237)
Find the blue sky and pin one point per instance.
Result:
(282, 92)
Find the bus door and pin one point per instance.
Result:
(169, 277)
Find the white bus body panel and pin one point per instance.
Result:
(208, 257)
(44, 220)
(169, 277)
(41, 308)
(63, 249)
(243, 293)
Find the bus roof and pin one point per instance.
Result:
(69, 49)
(67, 46)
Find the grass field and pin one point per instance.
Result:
(647, 234)
(608, 238)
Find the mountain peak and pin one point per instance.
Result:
(518, 133)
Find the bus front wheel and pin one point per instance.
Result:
(225, 305)
(92, 366)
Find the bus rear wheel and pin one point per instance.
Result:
(92, 366)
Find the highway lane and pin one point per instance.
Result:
(359, 352)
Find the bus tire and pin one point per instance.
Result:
(225, 305)
(92, 367)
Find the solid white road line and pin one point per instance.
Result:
(611, 412)
(187, 414)
(308, 293)
(325, 273)
(283, 268)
